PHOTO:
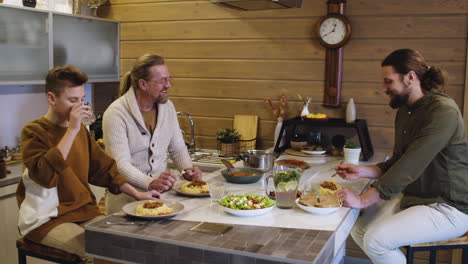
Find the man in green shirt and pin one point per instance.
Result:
(421, 194)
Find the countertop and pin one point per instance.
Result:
(262, 239)
(14, 176)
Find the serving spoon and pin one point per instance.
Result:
(228, 165)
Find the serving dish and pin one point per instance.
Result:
(317, 210)
(314, 152)
(130, 209)
(253, 212)
(257, 175)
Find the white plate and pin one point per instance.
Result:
(130, 209)
(314, 152)
(317, 210)
(253, 212)
(177, 189)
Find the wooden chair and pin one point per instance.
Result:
(455, 243)
(32, 249)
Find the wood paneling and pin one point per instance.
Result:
(398, 27)
(147, 10)
(297, 49)
(354, 70)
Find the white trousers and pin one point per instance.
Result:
(382, 228)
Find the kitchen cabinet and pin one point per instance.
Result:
(33, 41)
(9, 220)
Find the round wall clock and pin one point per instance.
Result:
(333, 31)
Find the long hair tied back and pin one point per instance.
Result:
(406, 60)
(139, 71)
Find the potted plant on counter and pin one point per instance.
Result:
(351, 152)
(228, 141)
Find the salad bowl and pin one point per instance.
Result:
(239, 205)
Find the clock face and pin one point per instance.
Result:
(332, 30)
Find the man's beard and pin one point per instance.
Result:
(398, 100)
(162, 100)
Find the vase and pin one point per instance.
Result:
(305, 110)
(279, 124)
(29, 3)
(350, 111)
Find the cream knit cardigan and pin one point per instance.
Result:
(140, 157)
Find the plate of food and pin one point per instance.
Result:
(195, 188)
(293, 163)
(153, 209)
(319, 204)
(247, 204)
(325, 203)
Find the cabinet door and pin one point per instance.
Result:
(91, 45)
(24, 46)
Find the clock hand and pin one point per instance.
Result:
(329, 33)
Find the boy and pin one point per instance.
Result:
(61, 159)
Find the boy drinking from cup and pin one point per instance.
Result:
(61, 159)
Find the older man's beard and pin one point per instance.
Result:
(162, 100)
(398, 100)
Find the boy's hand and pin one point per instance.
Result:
(78, 112)
(164, 182)
(151, 195)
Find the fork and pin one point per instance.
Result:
(334, 174)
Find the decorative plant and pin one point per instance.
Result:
(350, 144)
(228, 135)
(305, 101)
(278, 112)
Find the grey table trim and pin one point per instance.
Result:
(100, 231)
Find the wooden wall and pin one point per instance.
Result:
(225, 62)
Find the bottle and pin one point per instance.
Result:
(350, 111)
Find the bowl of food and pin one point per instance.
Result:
(242, 175)
(247, 204)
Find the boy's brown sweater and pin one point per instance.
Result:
(86, 163)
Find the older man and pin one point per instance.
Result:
(141, 127)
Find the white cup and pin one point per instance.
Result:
(351, 155)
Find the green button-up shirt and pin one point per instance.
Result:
(430, 156)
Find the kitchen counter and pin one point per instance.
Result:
(280, 236)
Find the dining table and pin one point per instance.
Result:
(278, 236)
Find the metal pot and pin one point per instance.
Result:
(258, 159)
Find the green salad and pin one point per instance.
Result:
(246, 202)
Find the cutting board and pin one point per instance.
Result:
(247, 127)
